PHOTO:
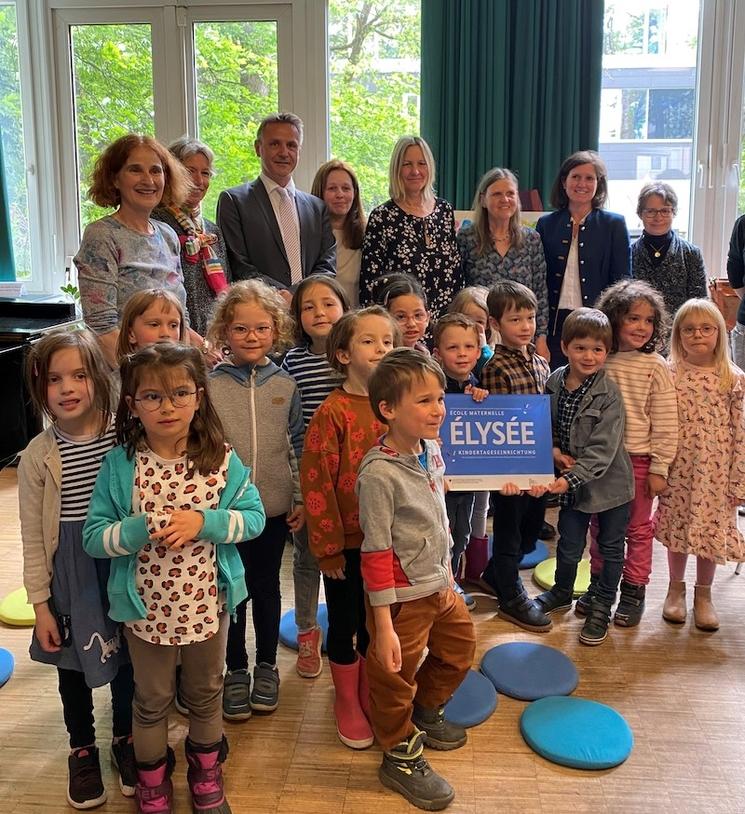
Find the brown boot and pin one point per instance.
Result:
(674, 609)
(704, 613)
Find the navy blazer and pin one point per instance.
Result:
(254, 242)
(603, 249)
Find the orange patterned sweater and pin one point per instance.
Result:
(341, 431)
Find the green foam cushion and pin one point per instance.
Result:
(15, 610)
(543, 575)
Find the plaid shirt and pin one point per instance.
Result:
(509, 372)
(567, 407)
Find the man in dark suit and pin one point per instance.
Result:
(272, 230)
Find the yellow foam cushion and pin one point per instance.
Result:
(15, 610)
(543, 574)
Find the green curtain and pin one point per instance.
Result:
(509, 83)
(7, 263)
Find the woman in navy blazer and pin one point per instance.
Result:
(587, 249)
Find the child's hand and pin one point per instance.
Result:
(559, 487)
(184, 527)
(538, 490)
(477, 393)
(541, 348)
(388, 649)
(296, 519)
(562, 460)
(46, 628)
(509, 489)
(656, 485)
(334, 573)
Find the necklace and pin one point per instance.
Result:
(657, 248)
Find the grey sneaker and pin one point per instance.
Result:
(405, 770)
(235, 695)
(438, 733)
(265, 694)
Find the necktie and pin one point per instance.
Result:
(290, 237)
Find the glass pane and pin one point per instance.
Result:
(11, 128)
(112, 72)
(647, 108)
(374, 50)
(237, 85)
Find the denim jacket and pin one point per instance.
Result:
(596, 444)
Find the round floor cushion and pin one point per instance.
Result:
(527, 671)
(538, 554)
(15, 610)
(473, 702)
(544, 575)
(576, 732)
(288, 627)
(6, 665)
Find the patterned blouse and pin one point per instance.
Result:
(526, 265)
(114, 262)
(396, 241)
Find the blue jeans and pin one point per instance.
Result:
(573, 525)
(307, 579)
(460, 508)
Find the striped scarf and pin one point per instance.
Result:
(196, 245)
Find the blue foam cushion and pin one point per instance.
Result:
(576, 732)
(538, 554)
(473, 702)
(528, 671)
(6, 665)
(288, 628)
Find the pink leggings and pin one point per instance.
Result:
(677, 562)
(637, 565)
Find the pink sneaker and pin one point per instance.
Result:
(309, 664)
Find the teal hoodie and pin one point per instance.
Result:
(112, 531)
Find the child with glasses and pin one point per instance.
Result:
(168, 506)
(697, 513)
(259, 406)
(406, 302)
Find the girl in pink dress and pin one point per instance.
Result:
(697, 514)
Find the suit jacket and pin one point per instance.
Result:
(254, 242)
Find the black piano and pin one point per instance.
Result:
(22, 321)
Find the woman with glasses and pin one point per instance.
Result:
(587, 247)
(661, 257)
(204, 259)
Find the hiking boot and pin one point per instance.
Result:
(404, 769)
(631, 605)
(674, 610)
(554, 600)
(704, 614)
(525, 613)
(154, 790)
(595, 629)
(85, 787)
(438, 733)
(123, 760)
(204, 777)
(352, 725)
(469, 601)
(236, 693)
(309, 664)
(265, 694)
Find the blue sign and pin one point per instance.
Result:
(503, 439)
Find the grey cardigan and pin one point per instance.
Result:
(596, 444)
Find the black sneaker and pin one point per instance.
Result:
(552, 601)
(595, 629)
(583, 604)
(236, 692)
(123, 760)
(547, 532)
(525, 613)
(84, 785)
(265, 694)
(631, 605)
(404, 769)
(438, 733)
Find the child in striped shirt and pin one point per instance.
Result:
(640, 322)
(317, 305)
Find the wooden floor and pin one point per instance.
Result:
(682, 692)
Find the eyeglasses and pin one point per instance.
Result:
(417, 316)
(152, 400)
(665, 212)
(704, 330)
(241, 331)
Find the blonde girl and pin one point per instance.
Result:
(68, 382)
(340, 433)
(259, 406)
(317, 305)
(149, 316)
(168, 507)
(697, 514)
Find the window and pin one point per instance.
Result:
(374, 50)
(13, 149)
